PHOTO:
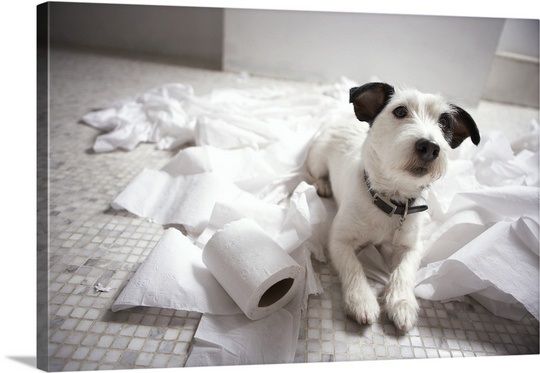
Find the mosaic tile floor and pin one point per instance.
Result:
(90, 243)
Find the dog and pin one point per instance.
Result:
(377, 173)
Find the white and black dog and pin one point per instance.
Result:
(377, 175)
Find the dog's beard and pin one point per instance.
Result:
(420, 169)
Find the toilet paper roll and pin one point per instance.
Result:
(254, 270)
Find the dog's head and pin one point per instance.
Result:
(411, 132)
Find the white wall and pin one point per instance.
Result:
(451, 55)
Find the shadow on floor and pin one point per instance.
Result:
(25, 360)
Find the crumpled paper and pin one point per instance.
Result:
(248, 162)
(476, 240)
(158, 116)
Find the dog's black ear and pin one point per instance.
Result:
(369, 100)
(463, 126)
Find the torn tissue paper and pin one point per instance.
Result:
(174, 276)
(247, 163)
(184, 199)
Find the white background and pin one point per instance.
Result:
(17, 206)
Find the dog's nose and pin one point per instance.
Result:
(427, 150)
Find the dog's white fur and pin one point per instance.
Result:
(337, 160)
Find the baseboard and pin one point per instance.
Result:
(514, 80)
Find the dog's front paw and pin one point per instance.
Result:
(324, 189)
(362, 306)
(403, 313)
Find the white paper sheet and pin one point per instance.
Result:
(174, 276)
(187, 200)
(498, 259)
(245, 167)
(248, 162)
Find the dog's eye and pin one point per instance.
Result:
(400, 112)
(444, 121)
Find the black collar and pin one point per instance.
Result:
(391, 207)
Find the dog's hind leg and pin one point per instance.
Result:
(317, 165)
(324, 189)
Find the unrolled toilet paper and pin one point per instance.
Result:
(254, 270)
